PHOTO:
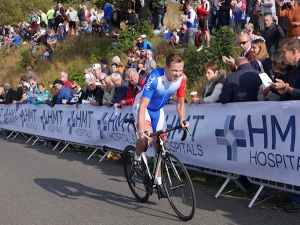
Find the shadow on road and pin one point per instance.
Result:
(74, 190)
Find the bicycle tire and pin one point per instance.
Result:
(135, 182)
(179, 187)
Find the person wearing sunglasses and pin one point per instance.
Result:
(245, 45)
(78, 94)
(94, 93)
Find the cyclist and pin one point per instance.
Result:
(148, 111)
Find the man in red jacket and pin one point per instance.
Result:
(134, 87)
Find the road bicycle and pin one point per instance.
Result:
(175, 178)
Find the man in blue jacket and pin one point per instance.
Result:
(120, 88)
(63, 92)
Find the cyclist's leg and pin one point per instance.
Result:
(140, 144)
(158, 123)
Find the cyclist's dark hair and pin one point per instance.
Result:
(174, 57)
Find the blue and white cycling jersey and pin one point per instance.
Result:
(159, 90)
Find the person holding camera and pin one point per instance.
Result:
(292, 15)
(272, 33)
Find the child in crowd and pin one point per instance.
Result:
(174, 39)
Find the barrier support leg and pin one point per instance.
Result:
(10, 135)
(64, 148)
(104, 154)
(103, 157)
(17, 133)
(96, 149)
(29, 139)
(255, 196)
(222, 188)
(56, 146)
(35, 140)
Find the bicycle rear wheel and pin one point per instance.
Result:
(179, 187)
(135, 182)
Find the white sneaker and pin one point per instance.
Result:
(200, 48)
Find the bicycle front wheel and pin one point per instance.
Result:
(179, 187)
(136, 183)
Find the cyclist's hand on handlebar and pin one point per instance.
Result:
(143, 135)
(185, 124)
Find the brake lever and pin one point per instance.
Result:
(146, 143)
(188, 130)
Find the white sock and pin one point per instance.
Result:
(159, 181)
(137, 158)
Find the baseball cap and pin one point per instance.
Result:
(96, 66)
(116, 59)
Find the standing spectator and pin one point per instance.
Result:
(262, 61)
(65, 80)
(136, 83)
(43, 93)
(61, 9)
(245, 45)
(241, 85)
(108, 10)
(272, 33)
(33, 19)
(78, 94)
(292, 15)
(58, 19)
(44, 19)
(10, 95)
(215, 79)
(191, 21)
(54, 93)
(120, 88)
(72, 13)
(267, 7)
(94, 92)
(81, 13)
(104, 66)
(96, 71)
(63, 92)
(203, 12)
(50, 16)
(161, 16)
(109, 91)
(130, 18)
(87, 14)
(93, 15)
(289, 89)
(223, 13)
(150, 62)
(239, 10)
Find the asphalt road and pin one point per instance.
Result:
(41, 186)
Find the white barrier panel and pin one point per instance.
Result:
(256, 139)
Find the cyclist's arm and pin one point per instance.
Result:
(181, 109)
(141, 114)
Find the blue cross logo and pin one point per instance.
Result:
(102, 125)
(231, 138)
(44, 120)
